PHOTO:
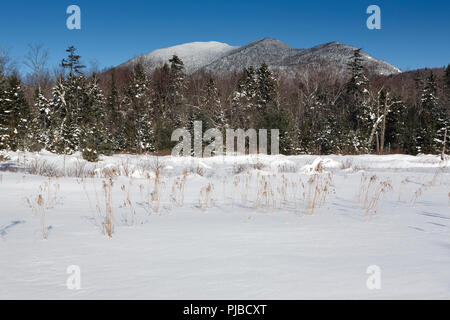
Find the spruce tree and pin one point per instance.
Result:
(278, 119)
(140, 136)
(433, 119)
(5, 114)
(57, 113)
(244, 100)
(177, 89)
(20, 121)
(41, 120)
(212, 106)
(267, 88)
(116, 133)
(355, 120)
(72, 62)
(396, 135)
(68, 107)
(447, 78)
(94, 140)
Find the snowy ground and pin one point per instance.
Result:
(267, 227)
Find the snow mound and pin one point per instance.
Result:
(319, 165)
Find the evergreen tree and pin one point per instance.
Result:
(116, 133)
(140, 137)
(41, 120)
(267, 88)
(447, 78)
(168, 102)
(20, 124)
(433, 119)
(57, 113)
(244, 100)
(177, 88)
(357, 114)
(318, 132)
(212, 106)
(94, 140)
(5, 114)
(395, 135)
(69, 107)
(278, 119)
(72, 62)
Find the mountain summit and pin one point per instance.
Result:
(221, 58)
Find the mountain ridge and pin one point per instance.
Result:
(221, 58)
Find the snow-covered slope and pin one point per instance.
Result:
(243, 227)
(279, 55)
(195, 55)
(221, 58)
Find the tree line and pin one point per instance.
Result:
(318, 110)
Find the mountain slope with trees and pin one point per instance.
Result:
(320, 111)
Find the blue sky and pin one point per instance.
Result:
(414, 33)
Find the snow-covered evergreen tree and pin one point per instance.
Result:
(357, 112)
(17, 114)
(94, 139)
(5, 113)
(68, 107)
(69, 99)
(267, 88)
(115, 132)
(244, 100)
(140, 136)
(212, 105)
(434, 119)
(177, 89)
(42, 119)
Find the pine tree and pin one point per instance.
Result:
(212, 106)
(244, 100)
(41, 120)
(140, 136)
(177, 89)
(168, 102)
(447, 78)
(357, 114)
(68, 114)
(116, 133)
(94, 140)
(20, 121)
(433, 119)
(72, 62)
(57, 113)
(278, 119)
(395, 133)
(267, 88)
(5, 114)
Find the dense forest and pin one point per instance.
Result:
(317, 110)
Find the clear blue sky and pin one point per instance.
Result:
(414, 33)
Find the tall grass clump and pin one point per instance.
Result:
(108, 224)
(372, 190)
(318, 188)
(45, 199)
(205, 199)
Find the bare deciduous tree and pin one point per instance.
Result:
(7, 64)
(36, 60)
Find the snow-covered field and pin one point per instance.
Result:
(244, 227)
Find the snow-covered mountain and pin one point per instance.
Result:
(195, 55)
(221, 58)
